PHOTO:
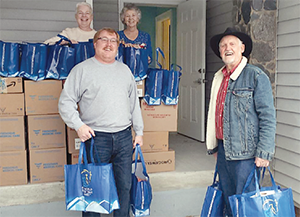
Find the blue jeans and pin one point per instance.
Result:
(233, 176)
(115, 148)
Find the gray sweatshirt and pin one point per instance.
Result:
(106, 95)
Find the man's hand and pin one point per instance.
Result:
(261, 162)
(138, 140)
(84, 132)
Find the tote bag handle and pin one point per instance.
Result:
(173, 67)
(215, 175)
(158, 50)
(138, 152)
(82, 153)
(63, 38)
(250, 177)
(92, 152)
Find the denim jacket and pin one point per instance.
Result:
(249, 121)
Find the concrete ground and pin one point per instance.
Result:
(179, 193)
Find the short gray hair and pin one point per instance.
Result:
(128, 7)
(83, 4)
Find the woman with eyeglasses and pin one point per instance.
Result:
(132, 37)
(84, 32)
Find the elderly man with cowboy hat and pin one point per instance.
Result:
(241, 118)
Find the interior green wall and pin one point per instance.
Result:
(147, 24)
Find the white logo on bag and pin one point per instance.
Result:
(271, 206)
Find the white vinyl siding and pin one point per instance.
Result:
(218, 18)
(35, 21)
(106, 14)
(287, 156)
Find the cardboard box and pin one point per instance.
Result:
(140, 88)
(46, 131)
(12, 104)
(41, 97)
(12, 133)
(74, 158)
(11, 85)
(154, 141)
(162, 161)
(73, 141)
(47, 165)
(13, 168)
(159, 118)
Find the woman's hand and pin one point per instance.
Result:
(74, 41)
(64, 42)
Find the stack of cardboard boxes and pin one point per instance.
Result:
(33, 140)
(158, 122)
(13, 157)
(46, 131)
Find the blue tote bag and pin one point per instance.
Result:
(9, 59)
(90, 186)
(83, 50)
(272, 201)
(61, 59)
(136, 59)
(141, 191)
(170, 87)
(154, 82)
(33, 61)
(213, 204)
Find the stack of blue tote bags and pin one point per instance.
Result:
(38, 61)
(162, 84)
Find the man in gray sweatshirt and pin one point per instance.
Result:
(105, 91)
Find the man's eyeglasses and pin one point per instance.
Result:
(105, 40)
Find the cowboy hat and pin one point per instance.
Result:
(215, 40)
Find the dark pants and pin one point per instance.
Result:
(115, 148)
(233, 175)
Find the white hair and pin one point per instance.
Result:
(83, 4)
(128, 7)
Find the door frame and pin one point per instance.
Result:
(158, 24)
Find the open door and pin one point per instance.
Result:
(191, 18)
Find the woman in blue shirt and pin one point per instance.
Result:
(138, 40)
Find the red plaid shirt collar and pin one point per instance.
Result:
(221, 100)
